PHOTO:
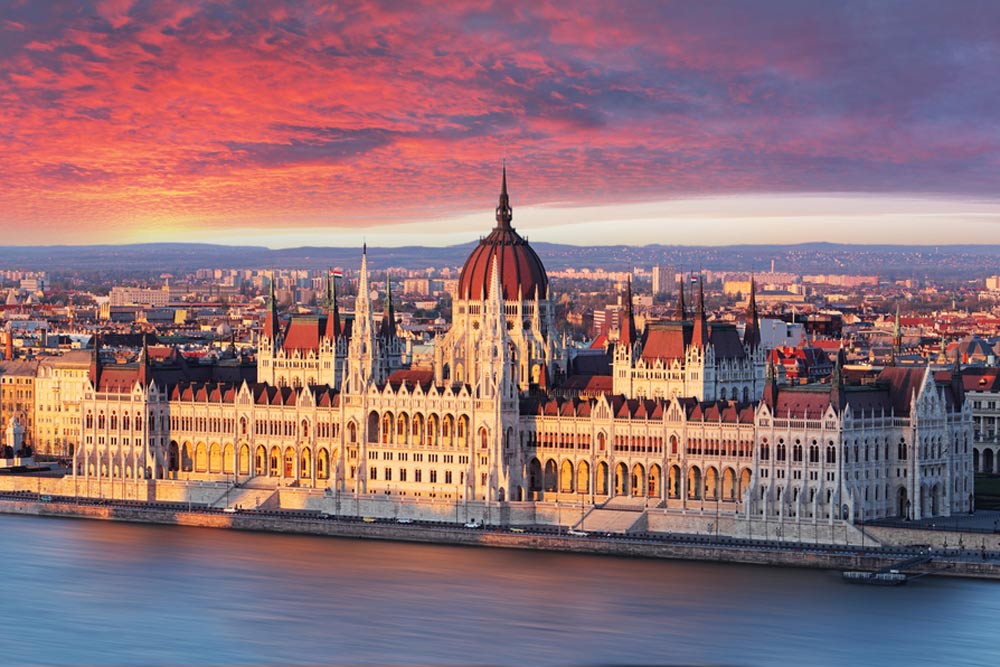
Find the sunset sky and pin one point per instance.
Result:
(309, 123)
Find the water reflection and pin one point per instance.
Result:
(96, 592)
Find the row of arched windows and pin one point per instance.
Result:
(127, 422)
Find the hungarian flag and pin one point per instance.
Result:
(694, 278)
(336, 273)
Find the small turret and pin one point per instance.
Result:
(771, 385)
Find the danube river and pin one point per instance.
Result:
(93, 592)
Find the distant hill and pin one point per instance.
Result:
(899, 261)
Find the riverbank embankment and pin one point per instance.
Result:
(680, 547)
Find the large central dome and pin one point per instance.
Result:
(521, 272)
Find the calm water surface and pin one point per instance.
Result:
(92, 592)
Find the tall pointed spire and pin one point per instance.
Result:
(333, 330)
(363, 289)
(504, 214)
(957, 386)
(271, 321)
(628, 333)
(751, 335)
(389, 319)
(329, 289)
(837, 397)
(897, 338)
(681, 309)
(95, 361)
(366, 363)
(144, 370)
(699, 336)
(494, 302)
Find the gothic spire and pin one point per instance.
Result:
(897, 338)
(504, 214)
(751, 335)
(389, 319)
(957, 386)
(144, 362)
(681, 310)
(271, 321)
(333, 330)
(95, 361)
(837, 397)
(699, 336)
(628, 334)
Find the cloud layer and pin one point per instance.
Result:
(120, 117)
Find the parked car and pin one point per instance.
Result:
(473, 524)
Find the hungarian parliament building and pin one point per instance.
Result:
(685, 414)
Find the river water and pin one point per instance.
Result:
(93, 592)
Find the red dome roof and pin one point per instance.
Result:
(521, 272)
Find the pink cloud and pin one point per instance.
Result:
(355, 113)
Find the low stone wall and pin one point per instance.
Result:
(937, 539)
(709, 524)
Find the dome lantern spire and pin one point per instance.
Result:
(504, 213)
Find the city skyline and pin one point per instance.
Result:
(289, 124)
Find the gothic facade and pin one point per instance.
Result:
(693, 420)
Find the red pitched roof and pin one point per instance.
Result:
(303, 334)
(421, 377)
